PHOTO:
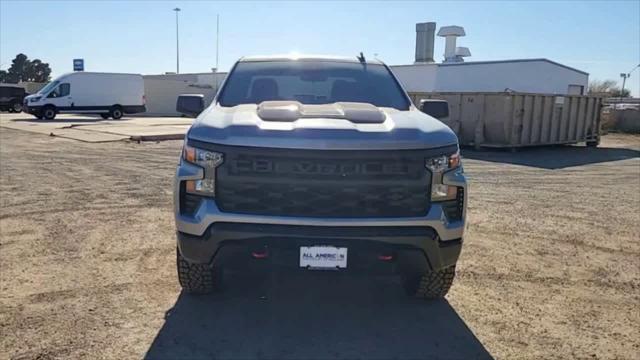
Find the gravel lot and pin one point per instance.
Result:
(550, 267)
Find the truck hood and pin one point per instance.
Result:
(339, 126)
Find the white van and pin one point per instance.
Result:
(106, 94)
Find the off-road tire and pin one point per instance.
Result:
(196, 278)
(431, 285)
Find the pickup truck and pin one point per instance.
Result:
(317, 163)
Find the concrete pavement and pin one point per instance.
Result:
(92, 128)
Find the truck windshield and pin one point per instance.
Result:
(312, 82)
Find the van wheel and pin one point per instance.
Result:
(116, 112)
(49, 112)
(104, 116)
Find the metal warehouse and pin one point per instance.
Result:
(526, 75)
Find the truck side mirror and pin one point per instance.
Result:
(439, 109)
(190, 105)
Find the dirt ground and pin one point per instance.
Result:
(550, 266)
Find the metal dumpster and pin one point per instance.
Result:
(520, 119)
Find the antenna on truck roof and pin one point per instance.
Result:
(361, 57)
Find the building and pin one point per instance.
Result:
(162, 91)
(525, 75)
(455, 75)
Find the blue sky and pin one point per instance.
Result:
(601, 38)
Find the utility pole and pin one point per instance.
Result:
(217, 40)
(624, 77)
(177, 10)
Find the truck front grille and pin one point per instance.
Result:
(322, 183)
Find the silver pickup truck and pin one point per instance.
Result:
(317, 163)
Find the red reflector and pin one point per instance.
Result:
(385, 257)
(259, 255)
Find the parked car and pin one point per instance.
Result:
(11, 97)
(319, 163)
(106, 94)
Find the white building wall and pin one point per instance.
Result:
(416, 78)
(530, 76)
(536, 76)
(162, 91)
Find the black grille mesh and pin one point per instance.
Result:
(316, 183)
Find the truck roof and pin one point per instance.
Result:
(305, 57)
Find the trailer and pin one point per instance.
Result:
(513, 120)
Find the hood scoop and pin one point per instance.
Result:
(360, 113)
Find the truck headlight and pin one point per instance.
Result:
(437, 166)
(209, 161)
(35, 99)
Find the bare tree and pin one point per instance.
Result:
(607, 88)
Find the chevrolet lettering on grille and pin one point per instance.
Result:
(266, 166)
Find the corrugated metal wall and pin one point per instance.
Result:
(518, 119)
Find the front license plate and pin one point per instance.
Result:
(323, 257)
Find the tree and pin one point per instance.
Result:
(23, 69)
(621, 94)
(607, 88)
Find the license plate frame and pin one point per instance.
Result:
(323, 257)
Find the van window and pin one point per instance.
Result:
(62, 90)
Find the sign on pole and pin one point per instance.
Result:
(78, 64)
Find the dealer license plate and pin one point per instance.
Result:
(323, 257)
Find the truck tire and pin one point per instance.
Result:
(196, 278)
(116, 112)
(49, 112)
(431, 285)
(16, 107)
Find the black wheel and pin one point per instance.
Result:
(104, 116)
(49, 112)
(116, 112)
(16, 107)
(431, 285)
(593, 143)
(197, 278)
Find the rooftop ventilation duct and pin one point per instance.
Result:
(425, 34)
(451, 52)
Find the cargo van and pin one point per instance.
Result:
(106, 94)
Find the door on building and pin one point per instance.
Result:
(575, 90)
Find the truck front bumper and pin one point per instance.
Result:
(212, 236)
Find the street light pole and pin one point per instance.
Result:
(177, 43)
(625, 76)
